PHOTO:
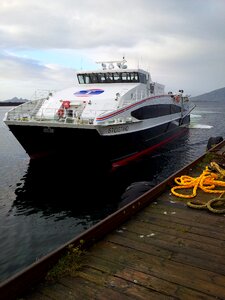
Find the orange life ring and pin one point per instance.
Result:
(60, 112)
(177, 98)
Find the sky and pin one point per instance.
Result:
(44, 42)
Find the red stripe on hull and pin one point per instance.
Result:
(135, 156)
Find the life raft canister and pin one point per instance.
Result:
(66, 104)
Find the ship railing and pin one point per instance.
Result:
(74, 116)
(31, 111)
(70, 115)
(24, 111)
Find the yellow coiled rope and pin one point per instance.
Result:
(207, 181)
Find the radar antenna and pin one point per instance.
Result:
(121, 64)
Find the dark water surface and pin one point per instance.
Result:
(44, 204)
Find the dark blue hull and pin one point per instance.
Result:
(72, 143)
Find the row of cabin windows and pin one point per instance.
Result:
(111, 77)
(155, 111)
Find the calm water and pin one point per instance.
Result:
(43, 206)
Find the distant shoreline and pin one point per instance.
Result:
(10, 103)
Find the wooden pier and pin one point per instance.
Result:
(165, 251)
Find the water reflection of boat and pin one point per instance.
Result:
(49, 189)
(117, 114)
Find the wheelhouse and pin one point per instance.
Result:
(112, 77)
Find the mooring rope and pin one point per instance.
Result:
(210, 205)
(208, 182)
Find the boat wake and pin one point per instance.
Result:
(199, 126)
(195, 116)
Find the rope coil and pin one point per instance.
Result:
(210, 205)
(208, 182)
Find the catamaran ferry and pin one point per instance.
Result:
(116, 114)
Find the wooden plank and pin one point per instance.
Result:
(199, 216)
(169, 221)
(74, 288)
(48, 291)
(36, 295)
(81, 287)
(178, 253)
(143, 227)
(155, 283)
(204, 281)
(174, 237)
(130, 286)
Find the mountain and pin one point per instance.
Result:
(13, 102)
(216, 95)
(15, 99)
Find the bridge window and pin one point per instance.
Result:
(117, 77)
(80, 78)
(142, 78)
(111, 77)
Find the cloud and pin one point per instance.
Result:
(27, 75)
(185, 38)
(81, 24)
